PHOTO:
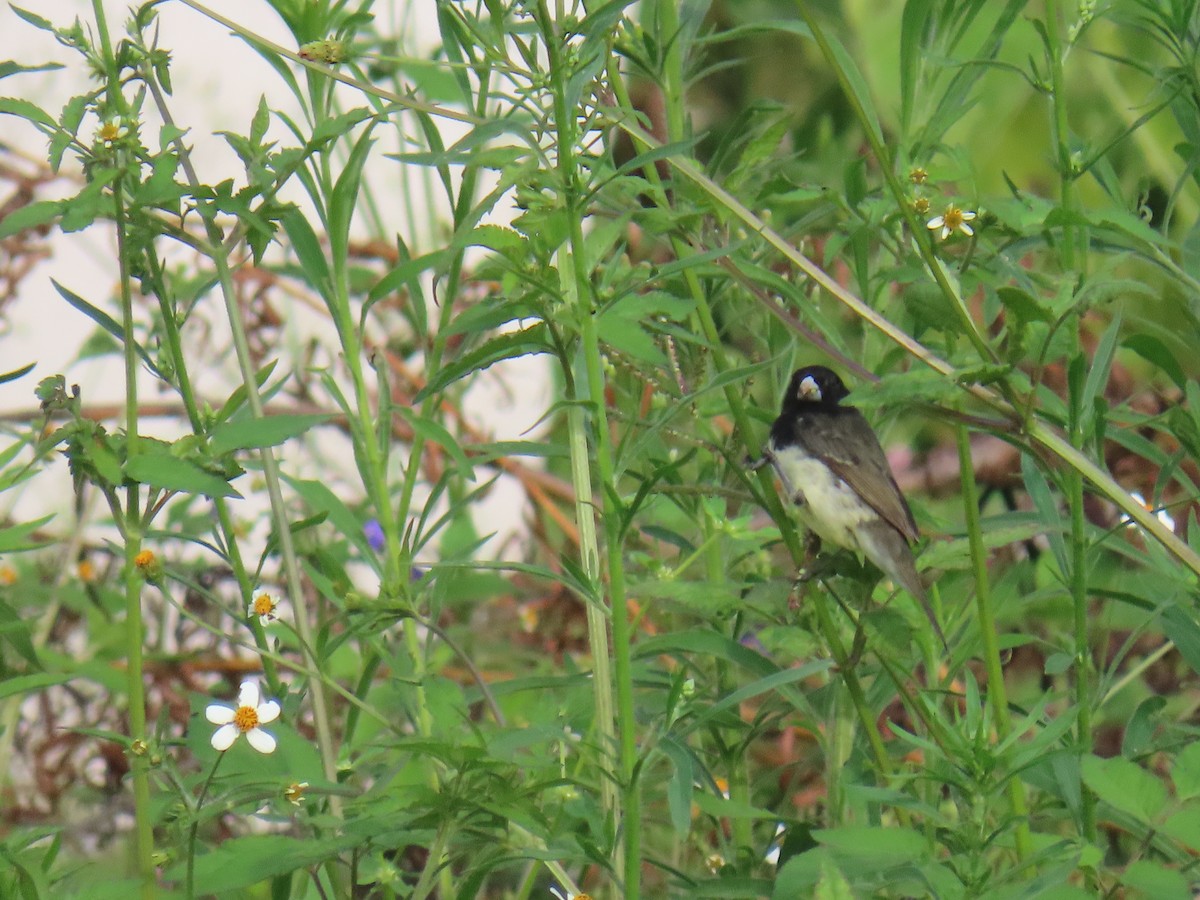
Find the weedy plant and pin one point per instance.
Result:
(982, 214)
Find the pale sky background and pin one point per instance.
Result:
(217, 83)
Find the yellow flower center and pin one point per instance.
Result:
(8, 575)
(953, 218)
(918, 175)
(144, 560)
(245, 718)
(264, 605)
(110, 131)
(921, 205)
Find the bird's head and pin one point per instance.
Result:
(814, 386)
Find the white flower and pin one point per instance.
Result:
(953, 219)
(294, 792)
(112, 131)
(245, 719)
(263, 605)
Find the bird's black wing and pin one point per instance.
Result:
(845, 441)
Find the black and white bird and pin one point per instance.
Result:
(837, 475)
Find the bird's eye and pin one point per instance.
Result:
(809, 389)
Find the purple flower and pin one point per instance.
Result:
(374, 533)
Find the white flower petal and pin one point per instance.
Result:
(248, 694)
(260, 740)
(965, 228)
(935, 223)
(224, 737)
(249, 609)
(968, 215)
(218, 714)
(268, 712)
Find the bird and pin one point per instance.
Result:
(836, 474)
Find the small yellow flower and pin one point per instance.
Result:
(921, 205)
(246, 719)
(8, 575)
(918, 175)
(263, 605)
(86, 571)
(294, 792)
(149, 565)
(112, 131)
(139, 747)
(953, 219)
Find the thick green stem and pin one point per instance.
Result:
(580, 290)
(1058, 104)
(997, 692)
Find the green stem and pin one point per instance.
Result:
(1058, 104)
(997, 692)
(580, 291)
(190, 883)
(218, 252)
(1079, 603)
(139, 764)
(166, 310)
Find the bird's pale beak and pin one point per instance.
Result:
(809, 389)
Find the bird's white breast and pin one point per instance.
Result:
(829, 506)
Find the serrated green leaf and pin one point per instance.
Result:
(25, 110)
(1126, 787)
(528, 341)
(32, 215)
(169, 473)
(255, 434)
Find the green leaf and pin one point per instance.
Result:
(321, 499)
(1155, 881)
(1184, 826)
(168, 472)
(28, 684)
(33, 19)
(16, 373)
(1125, 786)
(308, 250)
(345, 195)
(242, 862)
(238, 397)
(32, 215)
(1155, 352)
(912, 45)
(1186, 772)
(1023, 305)
(1181, 626)
(436, 434)
(16, 538)
(532, 340)
(255, 434)
(16, 631)
(105, 321)
(25, 110)
(681, 786)
(867, 842)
